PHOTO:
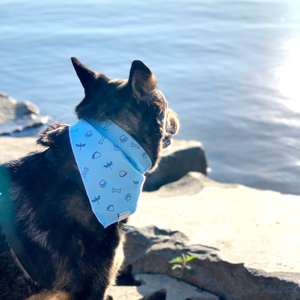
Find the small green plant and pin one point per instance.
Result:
(181, 262)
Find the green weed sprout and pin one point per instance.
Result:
(181, 262)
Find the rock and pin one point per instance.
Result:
(17, 116)
(175, 289)
(255, 231)
(177, 160)
(7, 105)
(150, 250)
(159, 295)
(193, 298)
(157, 286)
(26, 108)
(250, 226)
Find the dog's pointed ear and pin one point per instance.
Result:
(86, 76)
(141, 79)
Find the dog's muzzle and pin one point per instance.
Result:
(172, 128)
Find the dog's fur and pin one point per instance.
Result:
(59, 230)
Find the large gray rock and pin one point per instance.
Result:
(150, 250)
(17, 116)
(176, 161)
(254, 230)
(26, 108)
(250, 226)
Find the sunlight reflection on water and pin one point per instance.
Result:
(289, 76)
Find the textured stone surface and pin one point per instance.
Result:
(177, 160)
(176, 290)
(258, 228)
(149, 250)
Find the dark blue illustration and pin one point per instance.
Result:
(107, 123)
(80, 145)
(96, 199)
(135, 145)
(116, 148)
(123, 138)
(144, 155)
(103, 183)
(136, 183)
(116, 190)
(88, 133)
(122, 173)
(101, 140)
(74, 130)
(128, 197)
(110, 208)
(96, 155)
(85, 172)
(128, 158)
(108, 165)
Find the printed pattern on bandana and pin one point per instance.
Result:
(112, 167)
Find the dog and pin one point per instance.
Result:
(67, 253)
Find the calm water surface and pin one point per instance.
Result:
(230, 69)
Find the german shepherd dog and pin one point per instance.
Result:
(72, 252)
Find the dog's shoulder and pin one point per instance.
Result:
(51, 135)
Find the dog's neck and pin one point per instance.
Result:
(125, 142)
(64, 161)
(110, 166)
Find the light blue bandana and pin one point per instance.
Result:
(112, 167)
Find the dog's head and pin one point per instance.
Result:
(136, 105)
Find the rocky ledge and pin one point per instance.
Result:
(17, 116)
(245, 241)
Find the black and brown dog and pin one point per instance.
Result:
(73, 254)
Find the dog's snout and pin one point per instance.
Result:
(173, 122)
(172, 128)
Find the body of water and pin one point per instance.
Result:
(230, 69)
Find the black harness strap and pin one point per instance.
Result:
(11, 230)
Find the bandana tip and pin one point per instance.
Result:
(124, 215)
